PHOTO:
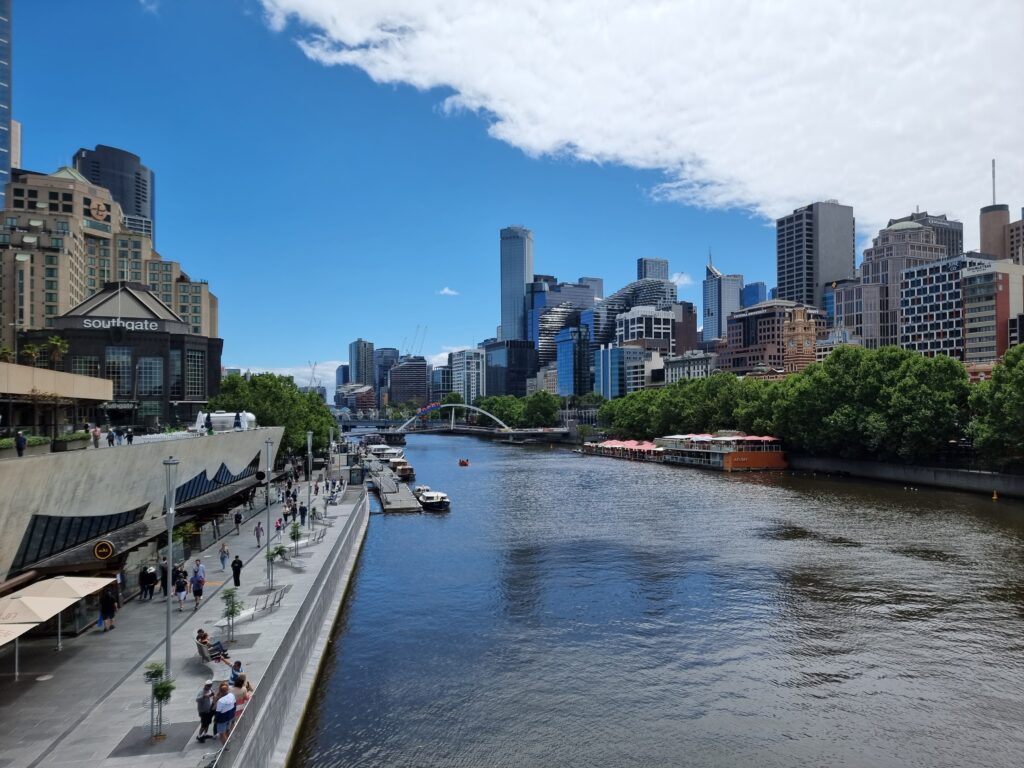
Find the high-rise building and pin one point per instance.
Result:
(1000, 237)
(509, 363)
(993, 293)
(775, 335)
(684, 327)
(721, 298)
(814, 247)
(753, 293)
(652, 268)
(600, 320)
(692, 364)
(948, 233)
(384, 359)
(341, 375)
(553, 306)
(573, 361)
(869, 307)
(645, 327)
(516, 272)
(66, 240)
(7, 139)
(610, 366)
(469, 373)
(131, 184)
(408, 381)
(360, 362)
(596, 284)
(440, 382)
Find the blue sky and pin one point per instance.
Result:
(322, 206)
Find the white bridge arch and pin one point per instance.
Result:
(454, 406)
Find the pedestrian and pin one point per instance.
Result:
(108, 607)
(164, 565)
(180, 589)
(110, 437)
(316, 489)
(208, 423)
(224, 555)
(20, 441)
(258, 530)
(235, 672)
(238, 523)
(278, 525)
(236, 570)
(96, 434)
(215, 522)
(129, 436)
(206, 700)
(242, 691)
(200, 570)
(223, 713)
(302, 513)
(196, 583)
(147, 580)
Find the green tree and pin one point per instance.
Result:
(508, 408)
(6, 355)
(57, 347)
(31, 353)
(997, 411)
(541, 409)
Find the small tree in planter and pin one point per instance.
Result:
(161, 688)
(280, 550)
(295, 534)
(232, 608)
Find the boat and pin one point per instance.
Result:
(463, 462)
(420, 489)
(434, 501)
(403, 470)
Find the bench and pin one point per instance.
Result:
(207, 658)
(267, 602)
(279, 596)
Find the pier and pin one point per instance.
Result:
(394, 495)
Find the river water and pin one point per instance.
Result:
(575, 611)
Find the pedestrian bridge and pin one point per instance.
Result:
(417, 424)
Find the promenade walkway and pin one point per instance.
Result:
(88, 704)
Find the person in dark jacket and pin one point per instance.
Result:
(108, 607)
(236, 570)
(20, 441)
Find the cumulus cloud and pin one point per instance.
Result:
(681, 279)
(758, 106)
(446, 291)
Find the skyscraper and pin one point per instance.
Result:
(341, 375)
(721, 299)
(6, 139)
(516, 272)
(468, 373)
(814, 247)
(948, 233)
(656, 268)
(131, 183)
(409, 381)
(360, 361)
(753, 293)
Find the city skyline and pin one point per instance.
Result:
(378, 139)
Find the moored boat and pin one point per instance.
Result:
(434, 501)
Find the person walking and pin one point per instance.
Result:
(238, 523)
(20, 441)
(129, 436)
(223, 713)
(110, 438)
(180, 589)
(164, 574)
(200, 570)
(236, 570)
(196, 583)
(302, 513)
(206, 701)
(108, 607)
(224, 555)
(258, 530)
(96, 434)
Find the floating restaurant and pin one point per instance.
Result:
(726, 451)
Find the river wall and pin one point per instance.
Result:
(266, 735)
(956, 479)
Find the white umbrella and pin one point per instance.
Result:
(69, 587)
(19, 611)
(10, 632)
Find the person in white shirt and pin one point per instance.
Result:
(224, 713)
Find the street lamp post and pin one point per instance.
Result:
(270, 565)
(309, 476)
(171, 478)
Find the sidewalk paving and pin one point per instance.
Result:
(88, 704)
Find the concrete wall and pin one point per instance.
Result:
(957, 479)
(24, 379)
(266, 735)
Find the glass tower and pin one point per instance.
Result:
(516, 272)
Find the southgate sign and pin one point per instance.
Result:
(128, 325)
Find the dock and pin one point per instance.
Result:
(394, 495)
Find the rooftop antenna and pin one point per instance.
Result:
(993, 181)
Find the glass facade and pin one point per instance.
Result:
(177, 384)
(195, 374)
(86, 365)
(573, 361)
(151, 377)
(516, 272)
(118, 368)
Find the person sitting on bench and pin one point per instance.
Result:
(216, 648)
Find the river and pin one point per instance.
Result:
(575, 611)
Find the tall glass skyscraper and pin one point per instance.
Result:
(5, 97)
(360, 362)
(131, 183)
(516, 272)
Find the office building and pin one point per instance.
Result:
(656, 269)
(546, 380)
(692, 364)
(574, 359)
(360, 362)
(931, 314)
(869, 307)
(775, 335)
(61, 241)
(131, 184)
(516, 273)
(600, 320)
(341, 375)
(993, 293)
(721, 298)
(508, 365)
(684, 327)
(469, 373)
(814, 247)
(356, 397)
(553, 306)
(408, 381)
(596, 285)
(384, 359)
(948, 233)
(161, 371)
(440, 382)
(610, 365)
(1000, 237)
(645, 327)
(753, 293)
(7, 139)
(836, 337)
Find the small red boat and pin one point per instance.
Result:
(463, 462)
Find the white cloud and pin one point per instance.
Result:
(446, 291)
(681, 279)
(441, 358)
(761, 106)
(152, 6)
(322, 374)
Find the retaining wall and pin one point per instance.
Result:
(958, 479)
(269, 727)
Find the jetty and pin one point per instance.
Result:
(394, 495)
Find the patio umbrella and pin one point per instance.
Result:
(10, 632)
(18, 611)
(69, 587)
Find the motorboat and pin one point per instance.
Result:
(420, 489)
(403, 470)
(463, 462)
(434, 501)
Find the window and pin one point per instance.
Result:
(195, 374)
(51, 271)
(50, 260)
(136, 243)
(151, 377)
(184, 309)
(12, 221)
(56, 242)
(176, 384)
(51, 297)
(119, 370)
(5, 238)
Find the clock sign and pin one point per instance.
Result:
(98, 211)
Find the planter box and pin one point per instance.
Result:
(58, 446)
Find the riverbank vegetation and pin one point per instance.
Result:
(888, 404)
